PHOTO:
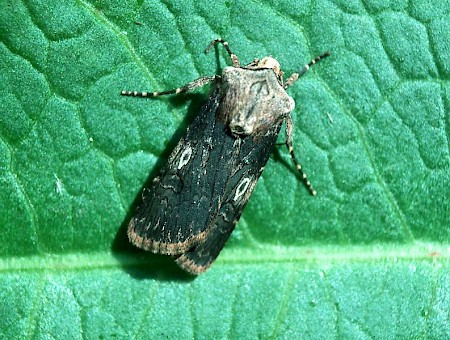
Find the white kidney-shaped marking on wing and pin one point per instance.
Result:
(185, 157)
(242, 188)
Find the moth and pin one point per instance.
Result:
(193, 205)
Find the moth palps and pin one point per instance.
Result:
(193, 205)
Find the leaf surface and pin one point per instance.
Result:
(367, 258)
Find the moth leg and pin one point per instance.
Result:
(289, 144)
(188, 87)
(234, 58)
(293, 78)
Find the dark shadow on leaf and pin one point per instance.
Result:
(138, 263)
(277, 157)
(217, 56)
(287, 164)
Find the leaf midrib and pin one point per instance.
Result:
(417, 251)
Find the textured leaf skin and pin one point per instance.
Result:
(367, 258)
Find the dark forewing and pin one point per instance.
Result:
(177, 208)
(250, 161)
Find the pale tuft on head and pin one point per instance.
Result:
(269, 62)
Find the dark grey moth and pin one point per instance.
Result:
(193, 205)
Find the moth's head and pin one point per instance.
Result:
(267, 63)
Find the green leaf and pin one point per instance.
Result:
(367, 258)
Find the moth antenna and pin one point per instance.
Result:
(289, 144)
(293, 78)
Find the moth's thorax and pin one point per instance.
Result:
(253, 98)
